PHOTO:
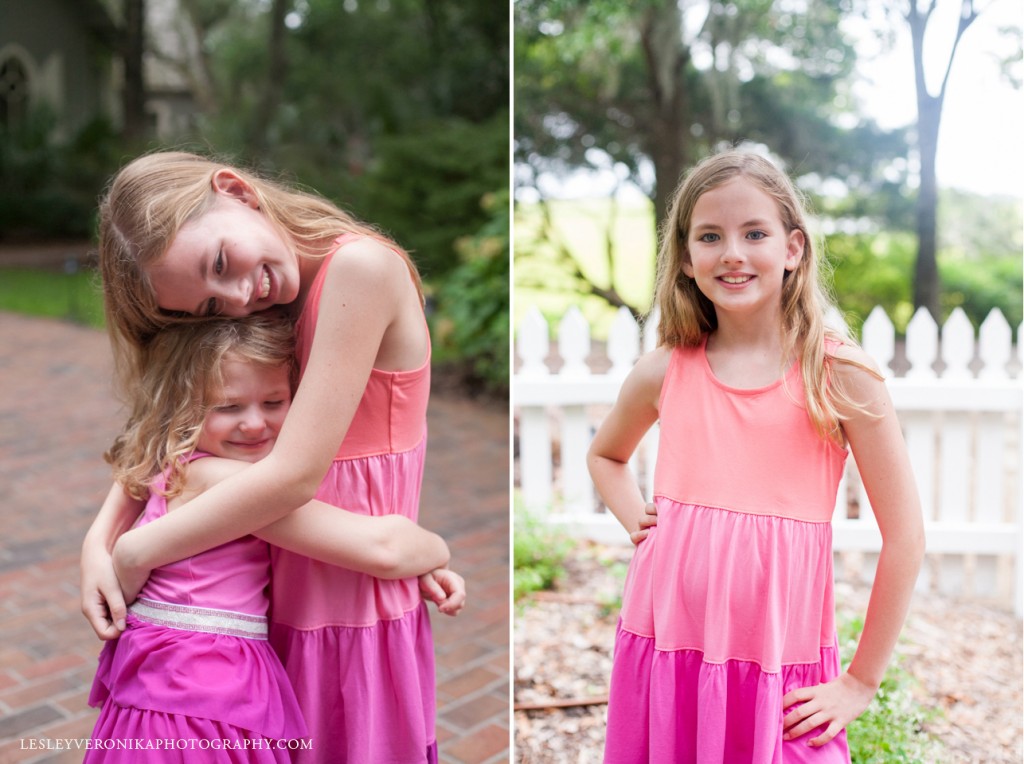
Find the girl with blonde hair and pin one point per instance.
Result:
(184, 238)
(726, 648)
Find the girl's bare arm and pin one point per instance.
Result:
(102, 601)
(389, 546)
(877, 444)
(633, 414)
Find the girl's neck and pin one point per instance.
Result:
(747, 355)
(763, 336)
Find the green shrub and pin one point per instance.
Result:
(471, 326)
(892, 727)
(538, 552)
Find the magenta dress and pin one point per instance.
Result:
(728, 604)
(358, 649)
(195, 667)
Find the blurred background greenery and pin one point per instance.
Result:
(615, 100)
(397, 110)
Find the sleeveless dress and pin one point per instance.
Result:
(728, 603)
(193, 677)
(358, 649)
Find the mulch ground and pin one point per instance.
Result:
(964, 657)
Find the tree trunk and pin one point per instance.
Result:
(926, 268)
(929, 118)
(133, 97)
(277, 68)
(666, 58)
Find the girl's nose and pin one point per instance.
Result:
(240, 293)
(252, 421)
(731, 250)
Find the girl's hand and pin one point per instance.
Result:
(648, 521)
(445, 588)
(832, 705)
(102, 601)
(131, 576)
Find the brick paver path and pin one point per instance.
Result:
(57, 415)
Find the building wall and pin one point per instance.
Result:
(69, 68)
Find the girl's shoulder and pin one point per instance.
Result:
(205, 472)
(853, 359)
(648, 374)
(366, 256)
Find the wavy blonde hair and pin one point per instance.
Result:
(180, 382)
(687, 314)
(146, 204)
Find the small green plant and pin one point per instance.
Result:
(538, 553)
(892, 728)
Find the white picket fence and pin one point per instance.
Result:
(959, 401)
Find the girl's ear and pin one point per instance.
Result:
(228, 182)
(686, 266)
(794, 249)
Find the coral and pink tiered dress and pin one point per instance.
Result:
(359, 649)
(193, 677)
(729, 602)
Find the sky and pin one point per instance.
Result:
(980, 140)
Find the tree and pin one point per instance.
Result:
(134, 92)
(929, 119)
(651, 86)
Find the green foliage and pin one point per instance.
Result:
(869, 270)
(892, 727)
(48, 186)
(471, 326)
(978, 285)
(425, 186)
(72, 296)
(538, 552)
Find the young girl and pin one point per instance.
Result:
(182, 236)
(726, 648)
(194, 666)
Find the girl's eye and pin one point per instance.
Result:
(756, 235)
(211, 307)
(226, 408)
(708, 238)
(274, 404)
(218, 263)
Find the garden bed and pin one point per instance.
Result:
(959, 666)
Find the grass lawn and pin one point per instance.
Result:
(70, 296)
(584, 227)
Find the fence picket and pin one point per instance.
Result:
(957, 345)
(995, 345)
(922, 344)
(879, 339)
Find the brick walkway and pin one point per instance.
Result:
(56, 416)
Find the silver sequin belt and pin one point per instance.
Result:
(190, 618)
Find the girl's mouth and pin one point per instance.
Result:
(265, 284)
(736, 279)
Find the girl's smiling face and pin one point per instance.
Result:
(229, 261)
(246, 415)
(738, 249)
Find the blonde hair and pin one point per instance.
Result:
(181, 379)
(146, 204)
(687, 314)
